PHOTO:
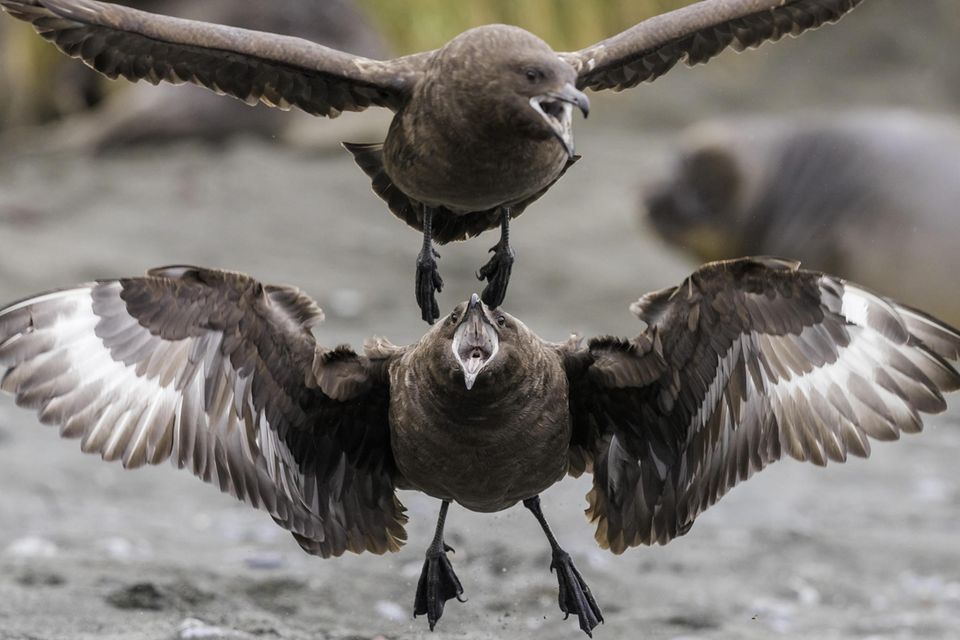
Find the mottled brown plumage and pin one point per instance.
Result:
(483, 125)
(744, 363)
(452, 442)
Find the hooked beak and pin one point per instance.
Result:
(556, 108)
(475, 343)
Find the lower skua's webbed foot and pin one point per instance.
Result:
(429, 283)
(497, 270)
(575, 596)
(438, 583)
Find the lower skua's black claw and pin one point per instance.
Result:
(438, 583)
(574, 597)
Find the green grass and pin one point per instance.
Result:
(414, 25)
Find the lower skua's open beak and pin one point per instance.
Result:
(475, 342)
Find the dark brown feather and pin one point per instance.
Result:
(222, 374)
(252, 66)
(447, 225)
(695, 34)
(746, 361)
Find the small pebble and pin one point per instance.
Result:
(391, 610)
(31, 547)
(118, 548)
(40, 579)
(142, 596)
(265, 560)
(193, 629)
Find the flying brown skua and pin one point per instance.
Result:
(482, 125)
(746, 362)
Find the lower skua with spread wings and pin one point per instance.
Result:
(747, 361)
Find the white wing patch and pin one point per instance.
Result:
(867, 370)
(875, 386)
(84, 363)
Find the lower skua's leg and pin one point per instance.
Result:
(438, 583)
(575, 596)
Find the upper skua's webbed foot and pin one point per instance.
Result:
(575, 596)
(497, 270)
(429, 283)
(438, 583)
(497, 274)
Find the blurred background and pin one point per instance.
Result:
(840, 148)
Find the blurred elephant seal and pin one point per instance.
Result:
(869, 195)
